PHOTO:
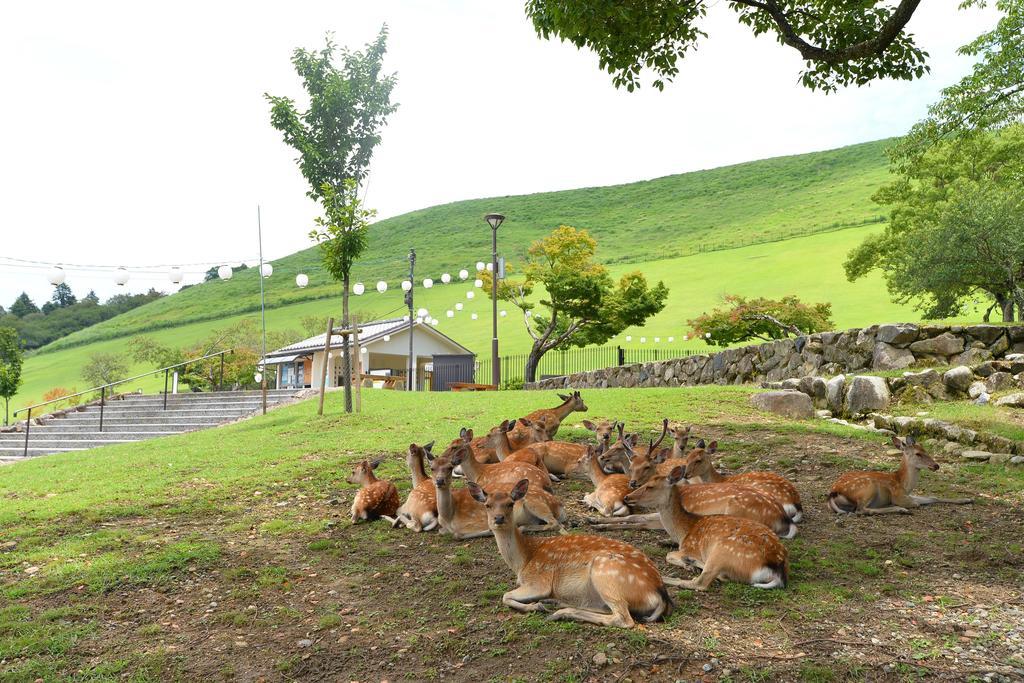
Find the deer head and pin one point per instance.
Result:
(499, 504)
(656, 491)
(441, 469)
(602, 430)
(680, 435)
(913, 453)
(698, 461)
(363, 472)
(537, 432)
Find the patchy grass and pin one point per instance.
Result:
(1007, 422)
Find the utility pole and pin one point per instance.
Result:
(412, 322)
(263, 313)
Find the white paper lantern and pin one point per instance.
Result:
(458, 306)
(362, 349)
(422, 313)
(258, 377)
(301, 280)
(643, 340)
(449, 313)
(657, 340)
(121, 277)
(629, 337)
(267, 270)
(473, 316)
(225, 272)
(478, 283)
(503, 313)
(56, 275)
(434, 321)
(446, 278)
(529, 314)
(387, 337)
(358, 288)
(686, 337)
(490, 267)
(428, 283)
(671, 339)
(406, 285)
(470, 294)
(382, 286)
(463, 274)
(707, 335)
(479, 266)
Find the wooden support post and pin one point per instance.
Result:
(323, 369)
(359, 371)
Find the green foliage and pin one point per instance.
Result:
(842, 43)
(10, 367)
(581, 304)
(342, 233)
(348, 106)
(937, 197)
(313, 325)
(63, 296)
(742, 319)
(23, 306)
(104, 368)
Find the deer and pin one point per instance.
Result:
(624, 456)
(552, 418)
(592, 579)
(419, 511)
(519, 438)
(883, 493)
(498, 439)
(542, 503)
(560, 458)
(722, 546)
(699, 468)
(376, 498)
(602, 430)
(609, 491)
(460, 515)
(703, 499)
(680, 438)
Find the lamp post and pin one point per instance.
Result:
(412, 319)
(494, 220)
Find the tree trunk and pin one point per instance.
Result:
(346, 349)
(7, 407)
(1007, 306)
(532, 361)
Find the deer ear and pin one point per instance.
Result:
(376, 463)
(462, 433)
(478, 493)
(503, 426)
(589, 425)
(520, 489)
(713, 447)
(458, 455)
(701, 444)
(910, 441)
(897, 441)
(511, 425)
(428, 447)
(676, 475)
(467, 434)
(564, 397)
(430, 456)
(414, 449)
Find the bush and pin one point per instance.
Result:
(742, 319)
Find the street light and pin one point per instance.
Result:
(494, 220)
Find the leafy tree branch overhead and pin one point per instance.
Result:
(740, 319)
(843, 43)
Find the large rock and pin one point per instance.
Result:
(889, 357)
(987, 334)
(834, 389)
(974, 355)
(999, 381)
(1012, 400)
(792, 404)
(976, 389)
(946, 344)
(867, 393)
(899, 334)
(958, 380)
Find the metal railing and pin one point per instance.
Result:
(103, 389)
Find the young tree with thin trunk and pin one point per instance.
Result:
(10, 367)
(581, 303)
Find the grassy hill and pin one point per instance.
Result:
(798, 216)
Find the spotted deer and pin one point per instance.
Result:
(375, 498)
(620, 455)
(609, 491)
(603, 430)
(881, 493)
(560, 458)
(419, 511)
(542, 503)
(701, 469)
(722, 546)
(552, 418)
(498, 439)
(518, 438)
(462, 516)
(592, 579)
(680, 438)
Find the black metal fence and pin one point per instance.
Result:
(568, 361)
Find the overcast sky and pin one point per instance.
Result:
(137, 133)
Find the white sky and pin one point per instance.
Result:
(136, 134)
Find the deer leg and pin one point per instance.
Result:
(526, 599)
(649, 521)
(927, 500)
(471, 534)
(889, 510)
(390, 520)
(607, 582)
(712, 570)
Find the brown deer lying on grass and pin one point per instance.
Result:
(603, 430)
(542, 503)
(609, 491)
(680, 438)
(701, 469)
(594, 579)
(419, 511)
(518, 438)
(724, 547)
(560, 458)
(376, 498)
(551, 418)
(498, 439)
(620, 455)
(882, 493)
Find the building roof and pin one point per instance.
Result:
(369, 333)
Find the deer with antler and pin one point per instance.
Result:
(419, 511)
(701, 469)
(882, 493)
(619, 456)
(592, 579)
(543, 504)
(376, 498)
(722, 546)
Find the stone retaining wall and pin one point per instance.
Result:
(879, 347)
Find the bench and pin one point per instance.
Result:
(469, 386)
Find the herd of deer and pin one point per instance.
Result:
(727, 526)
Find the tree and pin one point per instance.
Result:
(929, 200)
(313, 325)
(104, 368)
(582, 305)
(335, 138)
(842, 43)
(23, 305)
(742, 319)
(990, 97)
(63, 296)
(10, 367)
(91, 298)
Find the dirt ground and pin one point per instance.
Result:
(936, 595)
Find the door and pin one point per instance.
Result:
(452, 368)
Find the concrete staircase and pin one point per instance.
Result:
(135, 418)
